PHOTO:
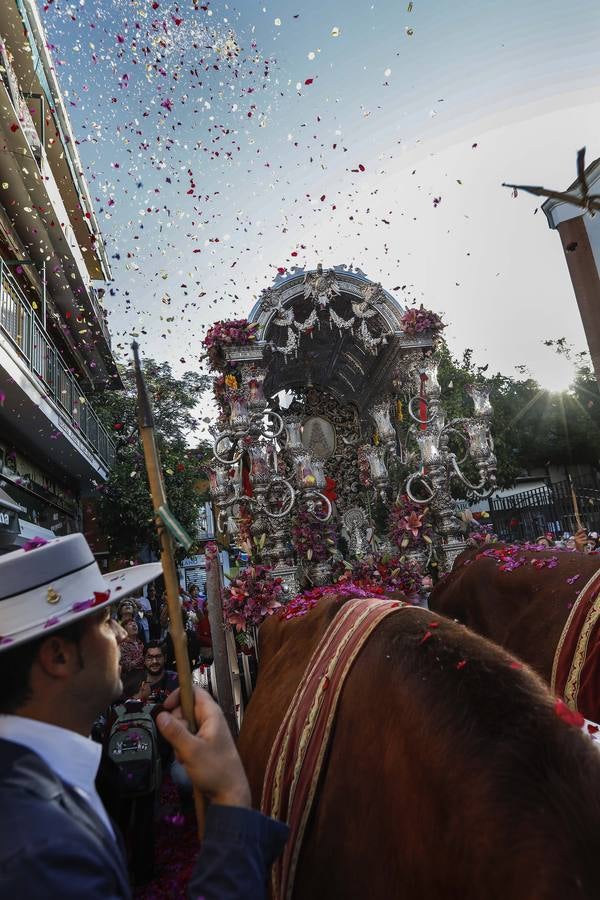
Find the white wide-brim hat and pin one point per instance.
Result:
(47, 585)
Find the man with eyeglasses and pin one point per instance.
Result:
(161, 681)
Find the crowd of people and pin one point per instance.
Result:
(146, 618)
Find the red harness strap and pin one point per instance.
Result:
(298, 751)
(577, 656)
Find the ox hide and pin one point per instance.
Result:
(523, 610)
(448, 774)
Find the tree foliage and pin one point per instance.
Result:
(532, 427)
(124, 503)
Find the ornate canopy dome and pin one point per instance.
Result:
(332, 329)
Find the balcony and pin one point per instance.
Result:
(37, 196)
(21, 326)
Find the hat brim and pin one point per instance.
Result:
(117, 585)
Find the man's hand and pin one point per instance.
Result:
(209, 757)
(581, 538)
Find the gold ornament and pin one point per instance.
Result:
(53, 596)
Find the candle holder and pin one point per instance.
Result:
(441, 465)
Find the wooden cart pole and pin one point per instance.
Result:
(159, 500)
(214, 603)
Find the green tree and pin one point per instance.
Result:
(532, 427)
(124, 504)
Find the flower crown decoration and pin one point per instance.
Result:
(421, 321)
(227, 333)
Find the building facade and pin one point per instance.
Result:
(55, 349)
(192, 569)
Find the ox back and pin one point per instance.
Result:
(448, 775)
(523, 610)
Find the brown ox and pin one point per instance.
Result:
(448, 775)
(523, 610)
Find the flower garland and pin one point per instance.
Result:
(227, 333)
(251, 597)
(410, 527)
(421, 321)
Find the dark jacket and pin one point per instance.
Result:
(53, 845)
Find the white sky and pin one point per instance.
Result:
(522, 81)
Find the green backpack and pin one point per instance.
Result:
(133, 747)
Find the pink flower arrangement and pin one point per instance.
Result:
(312, 539)
(410, 527)
(372, 577)
(380, 576)
(421, 321)
(251, 597)
(481, 534)
(305, 601)
(227, 334)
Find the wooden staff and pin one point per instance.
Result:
(159, 499)
(575, 504)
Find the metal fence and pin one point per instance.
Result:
(20, 324)
(526, 515)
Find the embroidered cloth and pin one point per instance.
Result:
(301, 743)
(575, 667)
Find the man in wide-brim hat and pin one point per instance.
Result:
(59, 668)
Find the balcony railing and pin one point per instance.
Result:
(20, 324)
(23, 114)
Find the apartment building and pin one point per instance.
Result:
(55, 348)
